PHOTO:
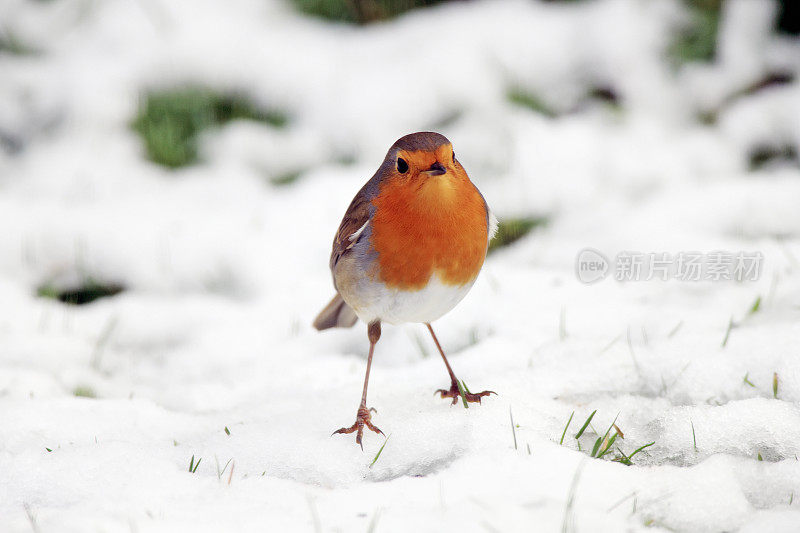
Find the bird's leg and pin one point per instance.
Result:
(454, 391)
(364, 416)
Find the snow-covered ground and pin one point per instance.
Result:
(225, 271)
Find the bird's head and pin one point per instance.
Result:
(424, 162)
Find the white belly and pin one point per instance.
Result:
(377, 302)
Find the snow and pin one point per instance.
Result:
(224, 273)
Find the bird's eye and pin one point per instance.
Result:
(402, 166)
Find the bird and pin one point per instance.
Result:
(409, 248)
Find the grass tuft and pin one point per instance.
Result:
(359, 11)
(287, 178)
(11, 44)
(169, 121)
(696, 41)
(528, 100)
(88, 291)
(605, 444)
(84, 391)
(762, 156)
(511, 230)
(627, 459)
(192, 465)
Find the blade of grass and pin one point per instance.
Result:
(640, 448)
(675, 329)
(606, 448)
(624, 459)
(192, 465)
(566, 428)
(755, 307)
(596, 446)
(230, 475)
(728, 332)
(694, 437)
(568, 518)
(513, 429)
(585, 425)
(463, 395)
(380, 450)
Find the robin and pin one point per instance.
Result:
(408, 249)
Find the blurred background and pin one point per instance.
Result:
(108, 109)
(171, 177)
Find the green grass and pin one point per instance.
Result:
(192, 465)
(697, 40)
(359, 11)
(605, 444)
(461, 387)
(528, 100)
(761, 156)
(585, 425)
(220, 471)
(83, 391)
(287, 178)
(731, 325)
(510, 230)
(754, 308)
(377, 455)
(11, 44)
(88, 291)
(627, 459)
(566, 428)
(170, 121)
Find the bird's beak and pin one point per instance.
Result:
(436, 169)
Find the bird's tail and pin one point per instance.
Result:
(337, 314)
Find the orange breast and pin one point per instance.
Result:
(426, 226)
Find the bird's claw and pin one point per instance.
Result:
(455, 394)
(363, 418)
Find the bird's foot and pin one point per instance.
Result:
(456, 394)
(363, 418)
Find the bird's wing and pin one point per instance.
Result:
(493, 223)
(353, 224)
